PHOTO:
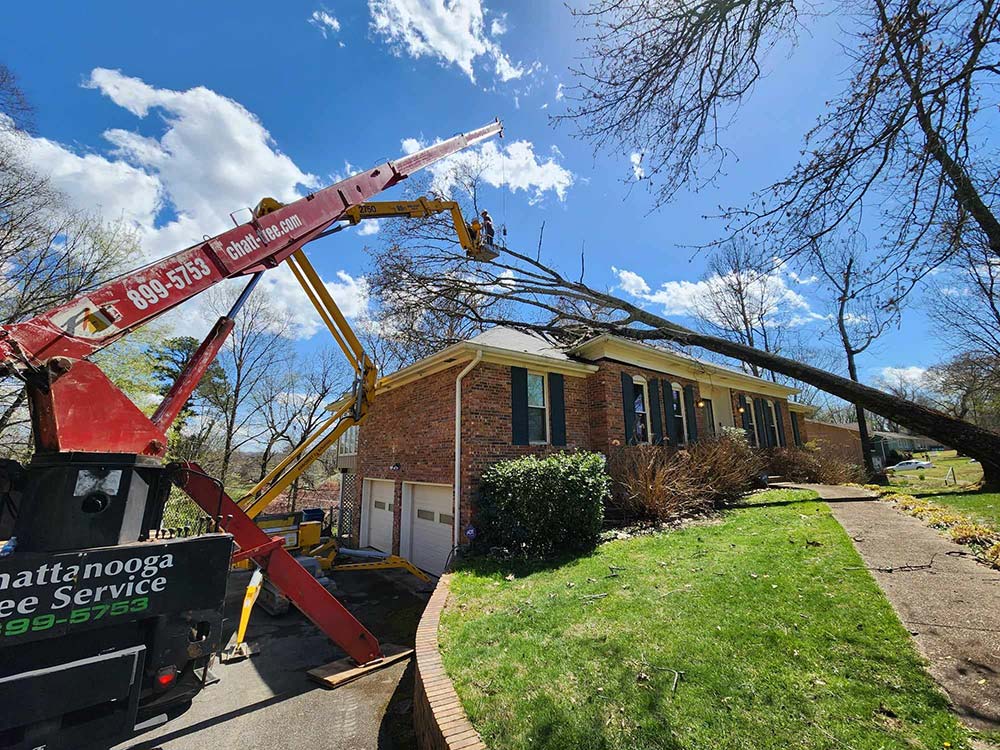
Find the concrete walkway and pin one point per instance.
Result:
(949, 602)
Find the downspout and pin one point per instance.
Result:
(458, 443)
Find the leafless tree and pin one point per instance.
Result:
(256, 347)
(854, 285)
(13, 103)
(968, 387)
(964, 303)
(291, 405)
(536, 293)
(403, 329)
(902, 141)
(744, 302)
(48, 252)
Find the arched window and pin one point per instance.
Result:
(640, 406)
(679, 412)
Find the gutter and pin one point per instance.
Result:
(458, 443)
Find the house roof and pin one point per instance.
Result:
(499, 345)
(853, 427)
(671, 362)
(502, 337)
(505, 345)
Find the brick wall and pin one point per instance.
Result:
(412, 427)
(842, 442)
(606, 418)
(486, 426)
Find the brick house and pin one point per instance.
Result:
(414, 474)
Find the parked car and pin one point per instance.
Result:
(910, 465)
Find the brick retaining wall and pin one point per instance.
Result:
(438, 717)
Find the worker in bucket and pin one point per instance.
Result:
(487, 226)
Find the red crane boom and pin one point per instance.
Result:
(84, 543)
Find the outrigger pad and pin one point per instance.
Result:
(345, 670)
(238, 652)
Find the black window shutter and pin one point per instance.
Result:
(779, 423)
(557, 409)
(654, 411)
(628, 407)
(692, 417)
(745, 416)
(796, 435)
(519, 405)
(673, 426)
(758, 411)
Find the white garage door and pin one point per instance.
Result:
(432, 526)
(379, 510)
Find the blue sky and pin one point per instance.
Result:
(174, 119)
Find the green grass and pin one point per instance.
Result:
(933, 481)
(784, 639)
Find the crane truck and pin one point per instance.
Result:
(106, 625)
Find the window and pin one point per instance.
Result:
(538, 423)
(348, 442)
(425, 515)
(773, 427)
(680, 412)
(706, 405)
(753, 423)
(640, 401)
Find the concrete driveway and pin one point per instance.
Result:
(268, 701)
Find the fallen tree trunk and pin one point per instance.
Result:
(435, 277)
(581, 310)
(965, 437)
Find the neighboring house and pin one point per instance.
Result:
(417, 467)
(844, 440)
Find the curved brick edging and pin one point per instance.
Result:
(438, 717)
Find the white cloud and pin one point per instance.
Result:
(768, 292)
(452, 31)
(805, 281)
(369, 227)
(499, 25)
(631, 282)
(637, 170)
(560, 92)
(516, 166)
(212, 156)
(116, 188)
(912, 375)
(325, 22)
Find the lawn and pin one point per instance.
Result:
(783, 639)
(922, 481)
(980, 506)
(983, 507)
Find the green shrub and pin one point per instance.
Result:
(544, 507)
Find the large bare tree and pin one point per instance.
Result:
(256, 347)
(903, 141)
(403, 329)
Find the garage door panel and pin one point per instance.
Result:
(380, 508)
(433, 524)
